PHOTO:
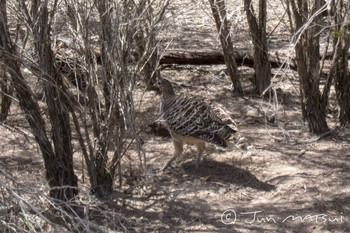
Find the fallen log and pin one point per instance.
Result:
(181, 57)
(216, 58)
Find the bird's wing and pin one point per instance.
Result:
(218, 114)
(193, 117)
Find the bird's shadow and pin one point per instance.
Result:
(223, 173)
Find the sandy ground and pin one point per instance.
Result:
(288, 180)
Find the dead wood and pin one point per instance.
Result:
(217, 58)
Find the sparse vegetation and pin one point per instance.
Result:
(80, 138)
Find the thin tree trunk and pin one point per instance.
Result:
(105, 12)
(342, 73)
(342, 83)
(6, 88)
(58, 164)
(257, 27)
(147, 43)
(103, 179)
(308, 58)
(6, 91)
(150, 72)
(220, 16)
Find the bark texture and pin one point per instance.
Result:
(223, 27)
(307, 50)
(257, 26)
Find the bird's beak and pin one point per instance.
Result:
(157, 87)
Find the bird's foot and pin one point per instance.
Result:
(164, 167)
(195, 163)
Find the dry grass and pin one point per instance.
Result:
(287, 181)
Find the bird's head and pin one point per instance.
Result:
(164, 86)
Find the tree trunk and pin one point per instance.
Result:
(308, 58)
(220, 16)
(342, 85)
(150, 72)
(257, 28)
(105, 12)
(59, 169)
(341, 72)
(104, 181)
(59, 165)
(147, 43)
(6, 91)
(6, 88)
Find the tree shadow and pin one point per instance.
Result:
(219, 172)
(171, 214)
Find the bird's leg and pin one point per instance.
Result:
(200, 147)
(178, 150)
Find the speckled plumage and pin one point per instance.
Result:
(191, 120)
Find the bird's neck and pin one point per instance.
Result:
(166, 99)
(168, 95)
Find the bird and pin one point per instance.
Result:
(190, 120)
